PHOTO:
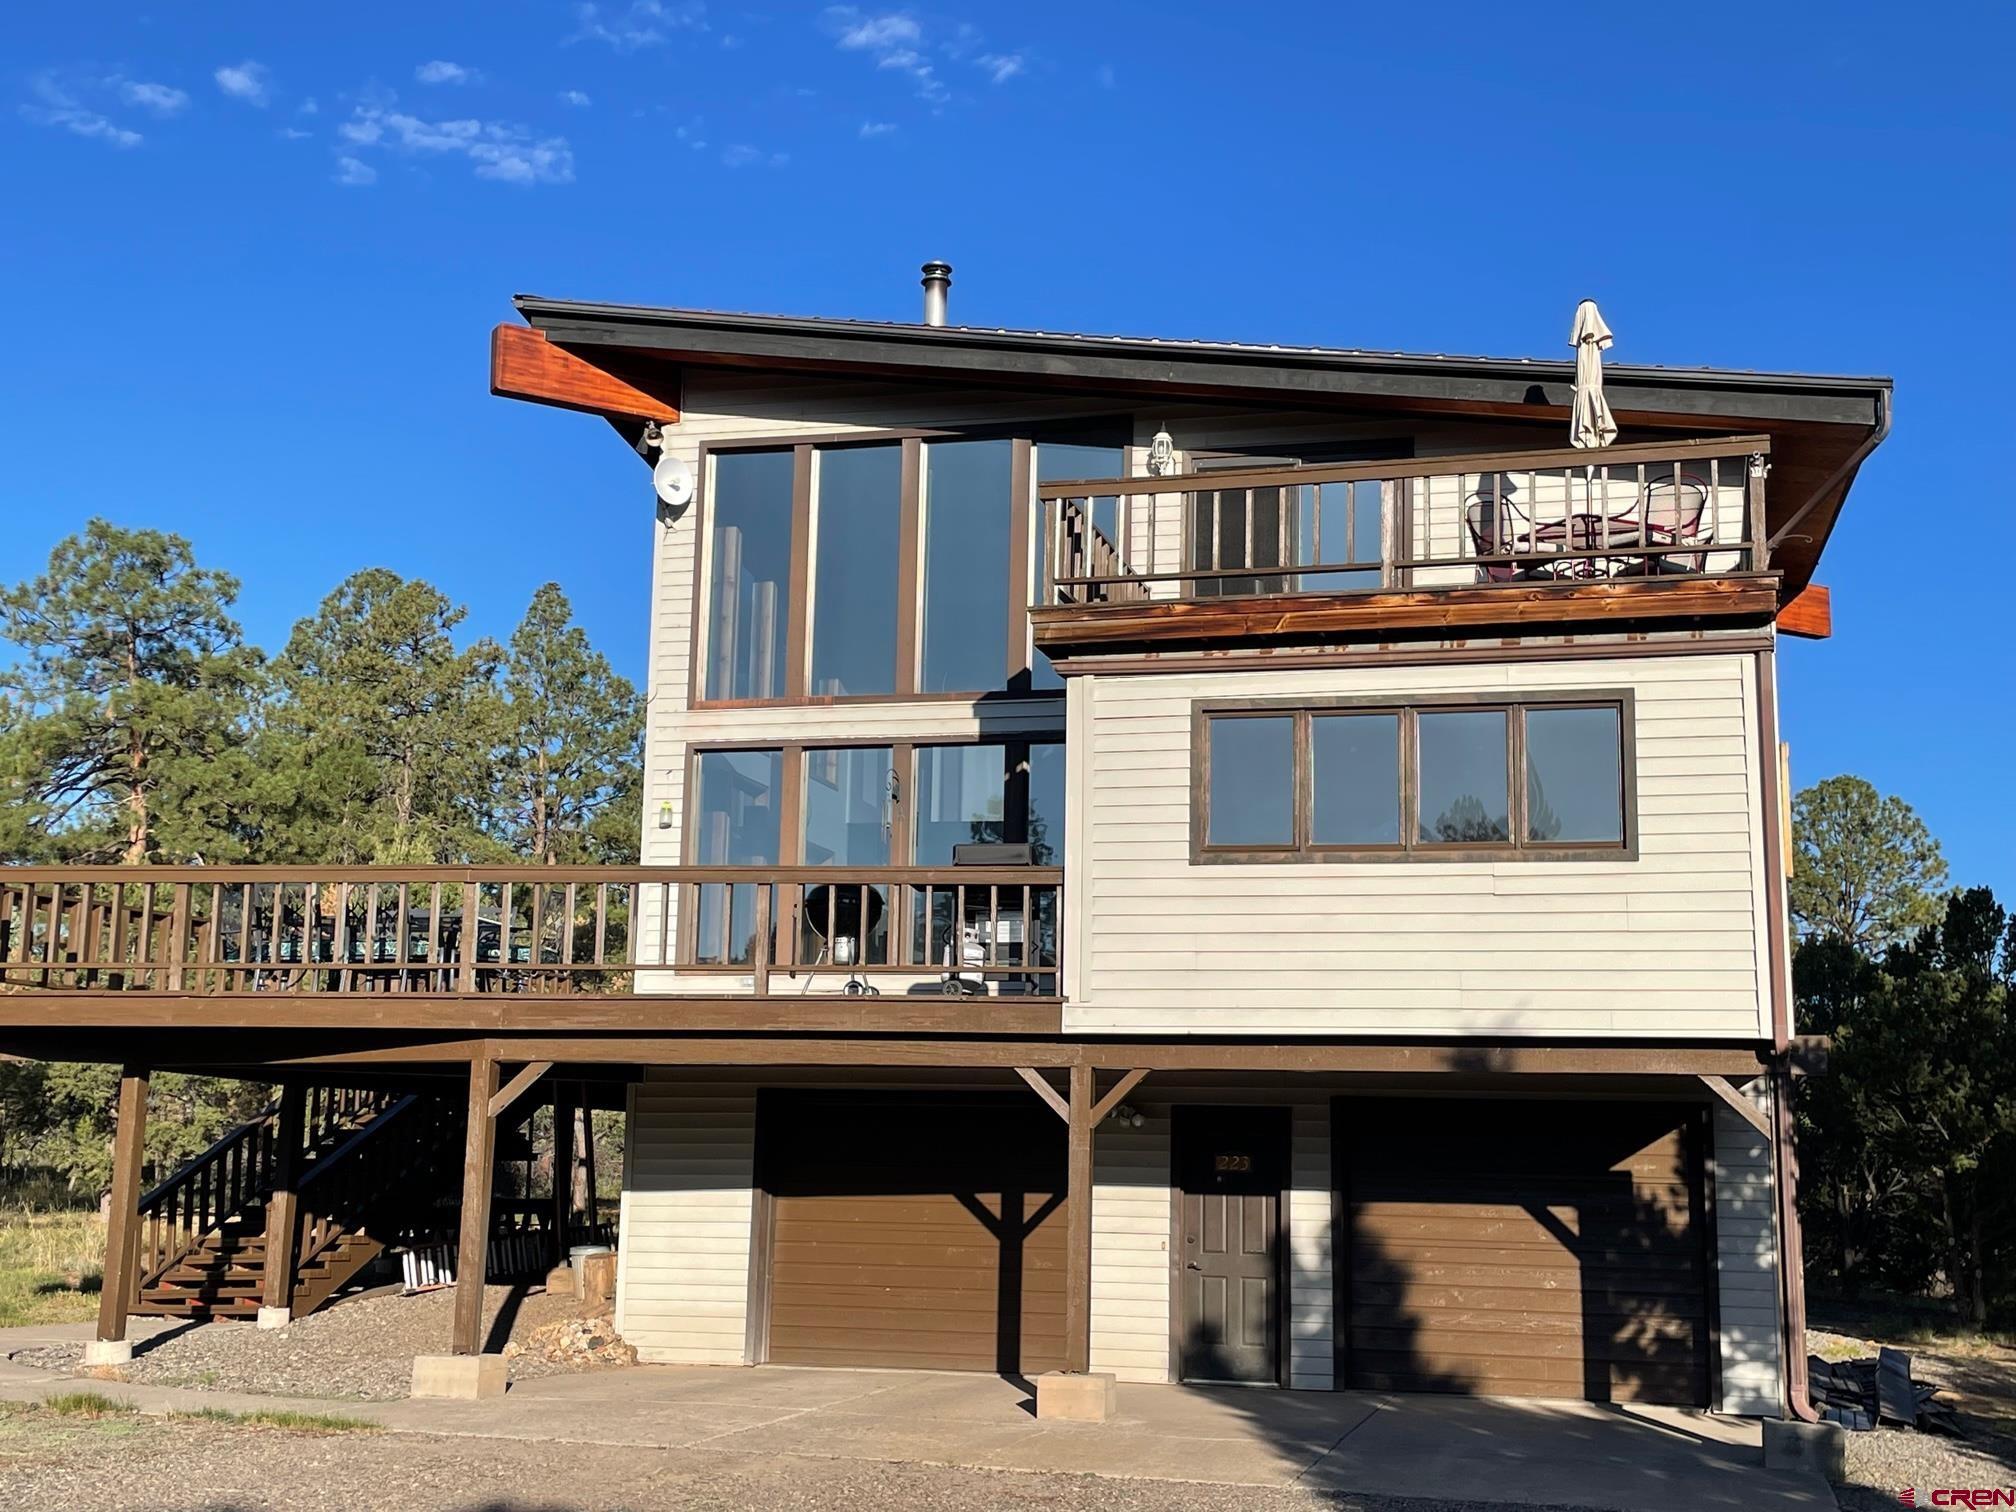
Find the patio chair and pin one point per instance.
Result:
(1675, 511)
(1500, 528)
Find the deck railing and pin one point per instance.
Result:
(1661, 509)
(607, 931)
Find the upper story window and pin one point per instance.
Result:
(889, 569)
(750, 627)
(1442, 778)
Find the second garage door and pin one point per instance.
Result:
(915, 1231)
(1510, 1248)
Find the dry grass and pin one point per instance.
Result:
(85, 1404)
(293, 1422)
(49, 1266)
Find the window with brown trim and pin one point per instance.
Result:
(1431, 778)
(892, 567)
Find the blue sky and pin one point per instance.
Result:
(255, 250)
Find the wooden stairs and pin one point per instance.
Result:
(366, 1174)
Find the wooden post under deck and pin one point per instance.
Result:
(563, 1170)
(283, 1213)
(478, 1174)
(122, 1234)
(1078, 1226)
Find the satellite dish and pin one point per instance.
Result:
(673, 478)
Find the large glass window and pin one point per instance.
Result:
(736, 803)
(967, 497)
(848, 806)
(1252, 790)
(1062, 462)
(1465, 795)
(962, 799)
(857, 520)
(1046, 804)
(1574, 776)
(1354, 762)
(749, 613)
(1434, 778)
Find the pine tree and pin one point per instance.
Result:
(126, 717)
(567, 772)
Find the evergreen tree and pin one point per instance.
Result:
(567, 773)
(382, 744)
(1868, 870)
(123, 722)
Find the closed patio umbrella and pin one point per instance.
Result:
(1590, 423)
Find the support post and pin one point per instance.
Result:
(563, 1170)
(478, 1175)
(1078, 1227)
(283, 1212)
(1074, 1394)
(122, 1233)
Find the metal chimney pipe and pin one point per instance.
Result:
(937, 285)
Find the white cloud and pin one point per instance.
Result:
(876, 129)
(1001, 67)
(244, 81)
(309, 107)
(54, 105)
(642, 23)
(354, 173)
(742, 155)
(1106, 77)
(881, 33)
(294, 134)
(575, 98)
(441, 71)
(497, 150)
(162, 99)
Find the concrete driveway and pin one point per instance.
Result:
(1441, 1448)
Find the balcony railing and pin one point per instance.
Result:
(605, 931)
(1675, 508)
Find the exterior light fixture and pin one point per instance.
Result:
(665, 814)
(1126, 1114)
(1161, 455)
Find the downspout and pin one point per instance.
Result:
(1791, 1251)
(1846, 470)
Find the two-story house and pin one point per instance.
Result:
(1163, 860)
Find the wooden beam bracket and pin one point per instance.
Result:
(1112, 1099)
(1040, 1085)
(518, 1086)
(1745, 1109)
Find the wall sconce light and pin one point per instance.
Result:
(665, 814)
(1126, 1114)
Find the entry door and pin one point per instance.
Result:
(1231, 1166)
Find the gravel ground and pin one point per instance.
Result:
(162, 1465)
(361, 1349)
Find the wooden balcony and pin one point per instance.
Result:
(892, 949)
(1622, 535)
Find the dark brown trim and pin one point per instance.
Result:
(762, 1231)
(1513, 649)
(1734, 599)
(909, 568)
(1777, 925)
(1711, 1251)
(120, 1288)
(1340, 1247)
(798, 613)
(1304, 849)
(1021, 652)
(1791, 1250)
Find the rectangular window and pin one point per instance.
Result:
(968, 493)
(849, 806)
(989, 794)
(1448, 777)
(749, 602)
(1574, 776)
(1465, 786)
(1252, 783)
(1354, 771)
(856, 602)
(735, 801)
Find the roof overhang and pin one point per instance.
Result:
(1822, 427)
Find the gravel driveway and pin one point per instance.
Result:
(362, 1349)
(164, 1465)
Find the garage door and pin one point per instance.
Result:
(914, 1231)
(1510, 1248)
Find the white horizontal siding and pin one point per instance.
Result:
(1746, 1262)
(682, 1292)
(1669, 944)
